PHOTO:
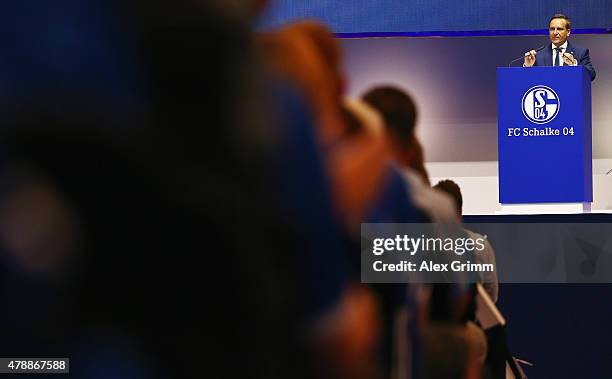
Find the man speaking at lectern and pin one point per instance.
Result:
(560, 52)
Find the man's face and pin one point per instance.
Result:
(558, 31)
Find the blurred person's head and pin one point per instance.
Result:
(450, 187)
(146, 211)
(400, 114)
(360, 162)
(355, 151)
(328, 48)
(197, 58)
(306, 54)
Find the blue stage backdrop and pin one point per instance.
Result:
(435, 16)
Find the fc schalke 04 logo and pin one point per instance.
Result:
(540, 104)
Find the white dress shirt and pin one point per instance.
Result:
(554, 52)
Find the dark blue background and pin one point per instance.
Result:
(359, 16)
(564, 329)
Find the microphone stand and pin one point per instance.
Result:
(523, 56)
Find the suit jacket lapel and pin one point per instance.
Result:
(570, 49)
(548, 55)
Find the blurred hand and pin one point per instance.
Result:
(530, 58)
(569, 59)
(350, 335)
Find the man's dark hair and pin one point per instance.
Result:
(568, 22)
(397, 109)
(453, 190)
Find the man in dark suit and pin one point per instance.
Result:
(560, 52)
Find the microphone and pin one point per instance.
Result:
(523, 56)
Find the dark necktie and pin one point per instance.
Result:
(557, 59)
